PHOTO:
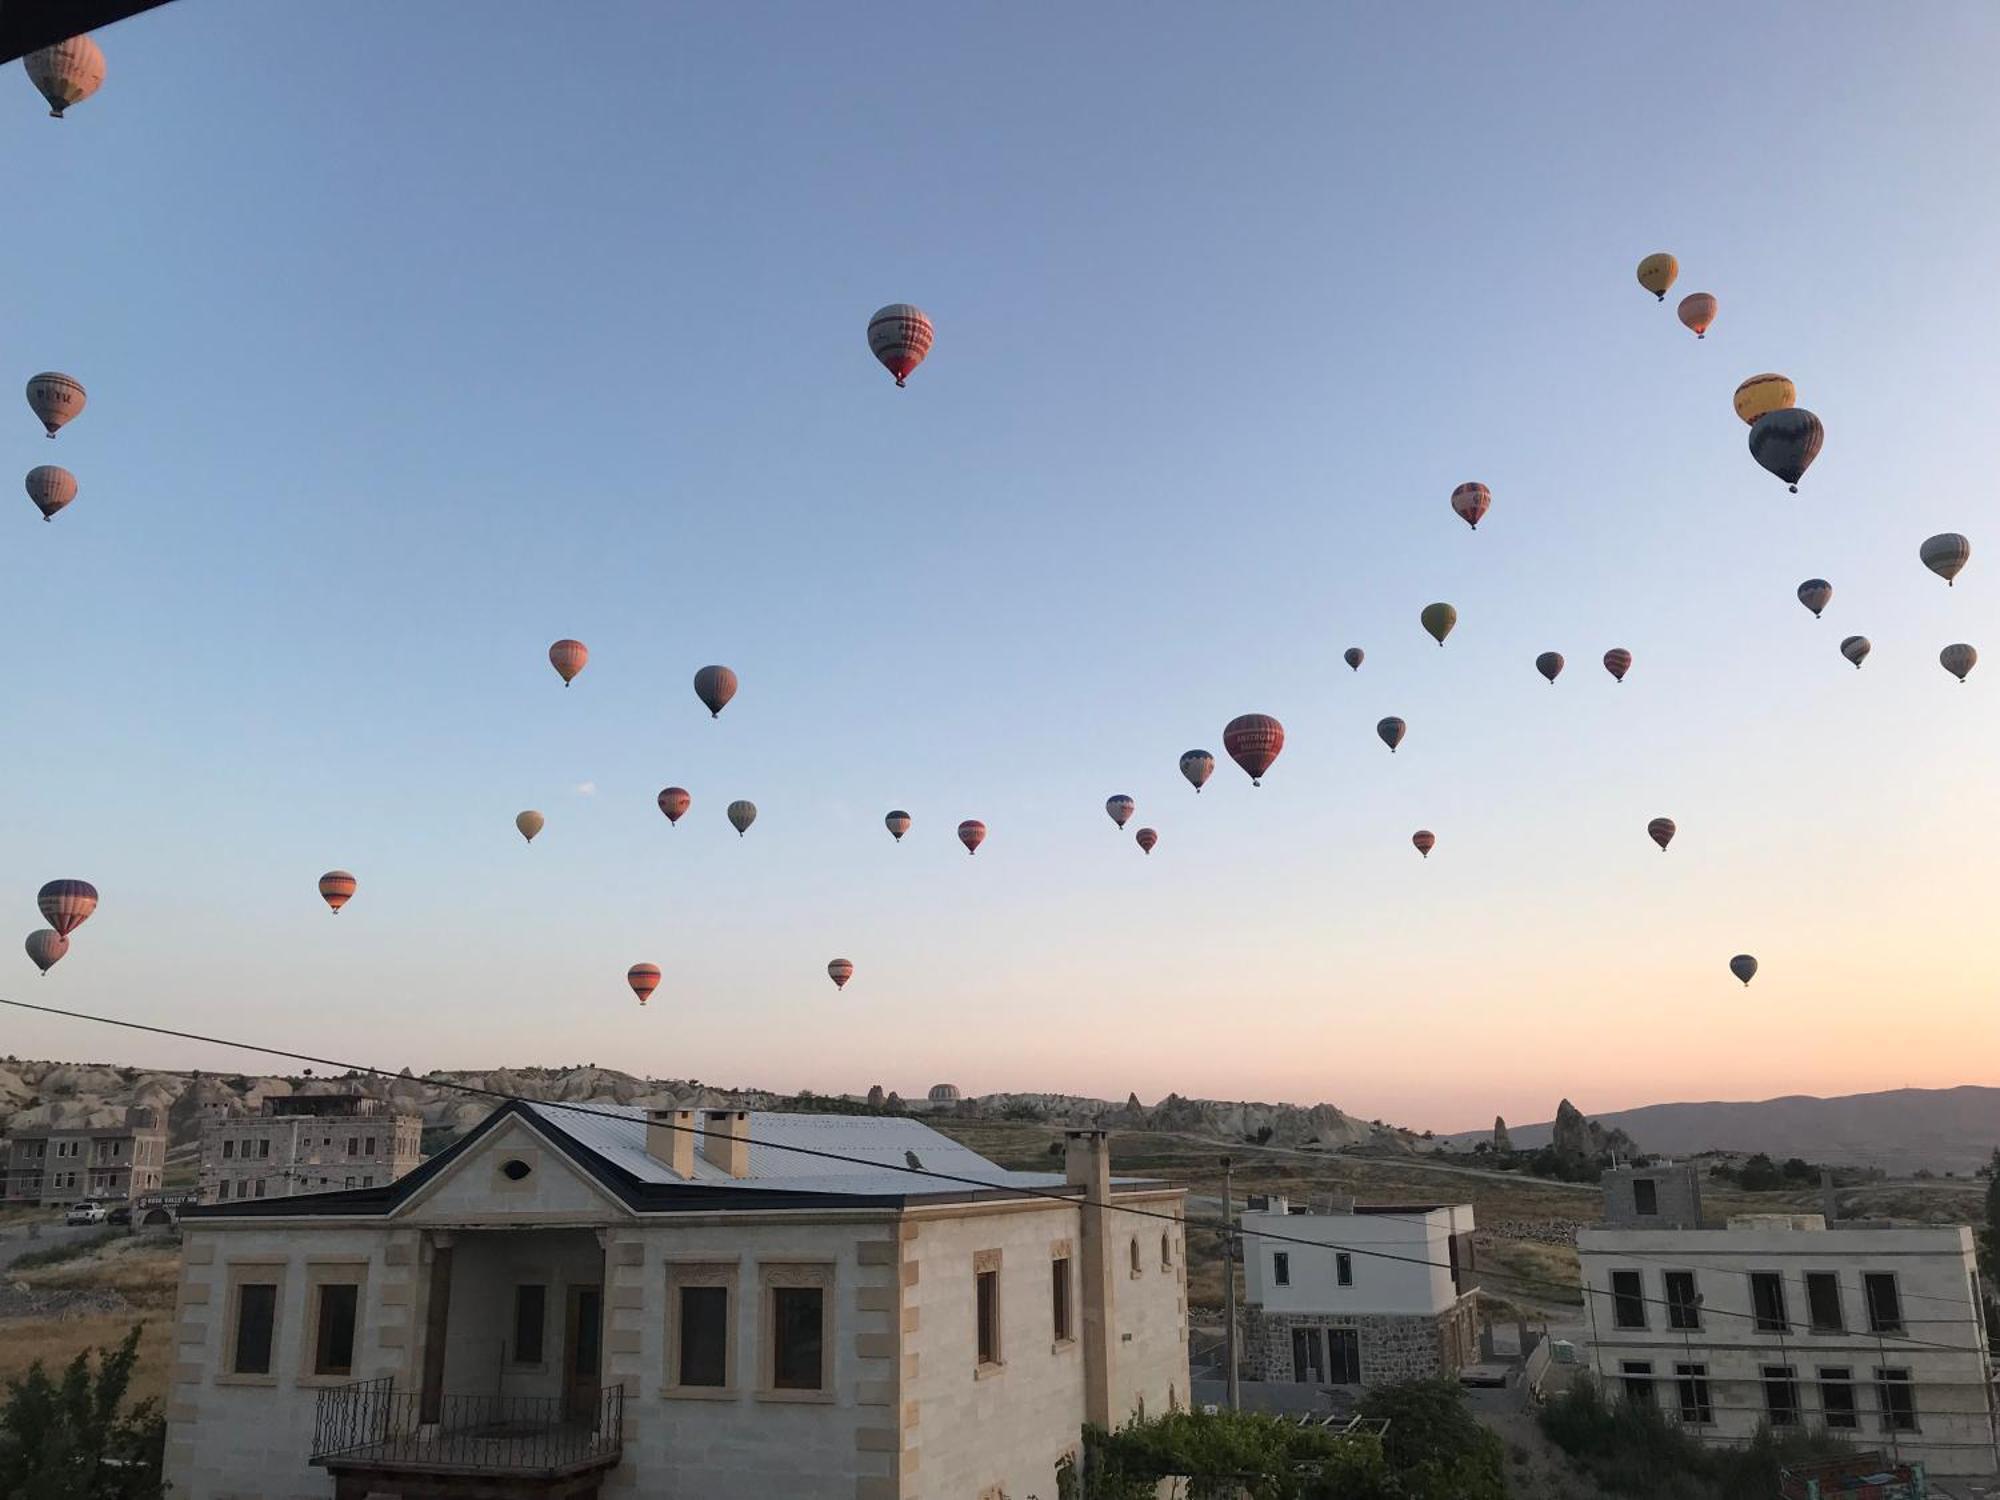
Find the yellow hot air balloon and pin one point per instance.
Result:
(1657, 273)
(1762, 393)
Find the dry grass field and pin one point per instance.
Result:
(141, 1270)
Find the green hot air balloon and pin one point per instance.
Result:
(1438, 620)
(741, 815)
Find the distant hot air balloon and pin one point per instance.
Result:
(1391, 731)
(1762, 393)
(1657, 273)
(568, 658)
(674, 802)
(45, 947)
(67, 73)
(1550, 665)
(840, 971)
(1856, 648)
(1425, 841)
(1786, 442)
(530, 823)
(1197, 766)
(1959, 659)
(55, 399)
(1618, 661)
(1147, 838)
(336, 888)
(1815, 594)
(972, 833)
(1662, 831)
(644, 979)
(1698, 311)
(1354, 656)
(715, 686)
(1744, 967)
(741, 816)
(50, 488)
(1945, 554)
(1120, 807)
(1253, 742)
(1472, 501)
(66, 904)
(900, 336)
(1439, 619)
(898, 823)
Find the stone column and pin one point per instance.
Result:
(1087, 1163)
(437, 1314)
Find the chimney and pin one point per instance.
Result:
(1087, 1165)
(725, 1140)
(670, 1140)
(1829, 1200)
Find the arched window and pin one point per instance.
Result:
(1136, 1268)
(1166, 1253)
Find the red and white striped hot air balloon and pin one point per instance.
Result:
(897, 822)
(840, 971)
(900, 336)
(1661, 831)
(1146, 837)
(568, 658)
(1472, 501)
(972, 833)
(336, 888)
(1618, 661)
(66, 904)
(674, 801)
(1253, 742)
(644, 979)
(1425, 841)
(1120, 808)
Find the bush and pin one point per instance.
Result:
(1435, 1447)
(67, 1439)
(1228, 1456)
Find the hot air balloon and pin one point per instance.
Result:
(898, 823)
(1744, 967)
(1120, 807)
(67, 73)
(55, 399)
(840, 971)
(1550, 665)
(715, 686)
(1856, 648)
(1354, 656)
(1959, 659)
(644, 979)
(674, 801)
(1698, 311)
(1946, 553)
(1786, 442)
(50, 488)
(336, 888)
(972, 833)
(45, 947)
(568, 658)
(1618, 661)
(1197, 766)
(530, 823)
(1472, 501)
(1438, 619)
(1815, 594)
(1391, 732)
(1657, 273)
(1762, 393)
(900, 336)
(1662, 831)
(741, 816)
(1253, 742)
(66, 904)
(1425, 841)
(1146, 837)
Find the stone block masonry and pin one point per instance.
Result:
(1393, 1346)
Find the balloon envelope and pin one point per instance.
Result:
(715, 686)
(67, 73)
(50, 488)
(1662, 831)
(674, 802)
(1657, 272)
(1197, 766)
(1472, 501)
(1120, 808)
(66, 904)
(1425, 841)
(1786, 442)
(972, 833)
(1438, 619)
(530, 823)
(898, 823)
(900, 336)
(1147, 838)
(1253, 741)
(1618, 661)
(568, 658)
(644, 979)
(55, 399)
(1762, 393)
(1959, 659)
(1856, 648)
(840, 971)
(1354, 656)
(1697, 312)
(45, 947)
(1744, 967)
(1945, 554)
(1550, 665)
(1815, 594)
(1391, 731)
(741, 816)
(336, 888)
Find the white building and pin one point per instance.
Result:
(1382, 1293)
(570, 1304)
(1869, 1329)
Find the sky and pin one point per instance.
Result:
(415, 341)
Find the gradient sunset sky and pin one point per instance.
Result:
(419, 336)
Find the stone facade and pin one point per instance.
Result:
(307, 1143)
(1393, 1346)
(53, 1165)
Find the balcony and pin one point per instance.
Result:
(375, 1440)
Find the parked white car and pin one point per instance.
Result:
(86, 1213)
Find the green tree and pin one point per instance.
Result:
(1435, 1447)
(68, 1439)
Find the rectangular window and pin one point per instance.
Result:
(1885, 1303)
(260, 1187)
(242, 1187)
(1281, 1268)
(1059, 1268)
(1767, 1300)
(1637, 1375)
(1343, 1268)
(1898, 1399)
(988, 1297)
(530, 1314)
(368, 1146)
(264, 1150)
(333, 1343)
(353, 1145)
(1823, 1302)
(1836, 1397)
(798, 1337)
(228, 1150)
(1683, 1302)
(704, 1335)
(347, 1183)
(1781, 1395)
(1645, 1196)
(1628, 1300)
(1691, 1382)
(256, 1314)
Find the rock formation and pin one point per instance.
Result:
(1501, 1140)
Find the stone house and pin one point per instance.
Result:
(121, 1156)
(307, 1143)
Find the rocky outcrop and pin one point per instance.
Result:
(1501, 1140)
(1586, 1140)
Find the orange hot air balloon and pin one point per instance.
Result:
(1425, 841)
(1618, 661)
(674, 801)
(1253, 741)
(972, 833)
(840, 971)
(1698, 311)
(715, 686)
(644, 979)
(568, 658)
(336, 888)
(1147, 838)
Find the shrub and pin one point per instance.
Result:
(1435, 1447)
(68, 1440)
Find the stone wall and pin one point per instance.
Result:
(1394, 1346)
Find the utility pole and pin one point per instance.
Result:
(1229, 1285)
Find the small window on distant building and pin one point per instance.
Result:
(1637, 1376)
(263, 1150)
(1059, 1273)
(256, 1311)
(347, 1182)
(1628, 1300)
(988, 1293)
(1885, 1304)
(1136, 1266)
(333, 1345)
(368, 1146)
(1683, 1302)
(1691, 1382)
(1823, 1302)
(1836, 1397)
(1281, 1268)
(242, 1187)
(1343, 1268)
(1645, 1196)
(530, 1307)
(1897, 1397)
(1767, 1300)
(353, 1145)
(228, 1150)
(704, 1336)
(260, 1187)
(1781, 1395)
(1166, 1253)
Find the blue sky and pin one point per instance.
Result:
(414, 344)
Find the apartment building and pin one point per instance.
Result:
(56, 1164)
(601, 1301)
(307, 1143)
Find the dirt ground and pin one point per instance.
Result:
(141, 1271)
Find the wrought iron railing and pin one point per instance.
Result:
(371, 1422)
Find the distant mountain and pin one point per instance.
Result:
(1900, 1130)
